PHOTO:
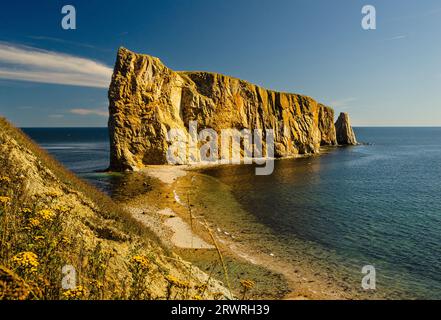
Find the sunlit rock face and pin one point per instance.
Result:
(345, 133)
(147, 99)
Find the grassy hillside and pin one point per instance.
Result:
(60, 238)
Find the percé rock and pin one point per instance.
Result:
(147, 99)
(345, 133)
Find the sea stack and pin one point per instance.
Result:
(345, 133)
(147, 99)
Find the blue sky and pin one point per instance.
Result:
(389, 76)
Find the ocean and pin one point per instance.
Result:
(375, 204)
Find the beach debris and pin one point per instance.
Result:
(178, 199)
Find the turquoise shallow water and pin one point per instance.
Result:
(376, 204)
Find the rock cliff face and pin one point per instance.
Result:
(147, 99)
(345, 133)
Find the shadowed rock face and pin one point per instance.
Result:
(147, 99)
(345, 134)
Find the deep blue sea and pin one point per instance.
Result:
(375, 204)
(84, 151)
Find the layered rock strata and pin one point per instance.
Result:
(147, 100)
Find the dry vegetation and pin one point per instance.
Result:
(50, 220)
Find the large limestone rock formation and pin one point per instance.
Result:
(147, 99)
(345, 133)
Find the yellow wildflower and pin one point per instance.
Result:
(176, 282)
(197, 297)
(46, 215)
(97, 284)
(26, 260)
(53, 194)
(140, 261)
(5, 200)
(77, 293)
(34, 223)
(61, 209)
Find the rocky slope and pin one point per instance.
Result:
(147, 99)
(50, 219)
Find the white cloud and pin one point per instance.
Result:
(67, 42)
(401, 36)
(35, 65)
(86, 112)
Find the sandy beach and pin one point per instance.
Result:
(183, 229)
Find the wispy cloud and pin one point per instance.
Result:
(86, 112)
(68, 42)
(35, 65)
(398, 37)
(343, 103)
